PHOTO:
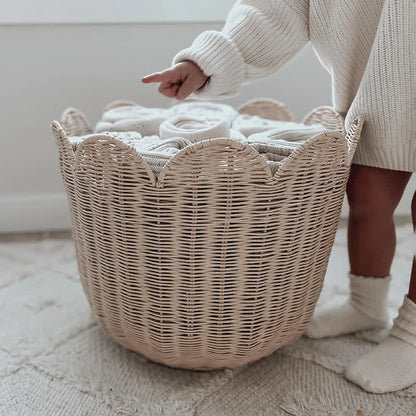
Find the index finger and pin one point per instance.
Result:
(156, 77)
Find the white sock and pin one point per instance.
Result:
(365, 309)
(391, 365)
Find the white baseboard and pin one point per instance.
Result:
(49, 212)
(27, 213)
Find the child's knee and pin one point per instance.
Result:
(374, 192)
(365, 204)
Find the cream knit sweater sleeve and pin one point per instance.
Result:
(258, 38)
(368, 47)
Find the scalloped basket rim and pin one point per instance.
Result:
(270, 101)
(261, 100)
(61, 137)
(95, 137)
(119, 103)
(158, 181)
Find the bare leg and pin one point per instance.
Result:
(373, 195)
(390, 366)
(412, 287)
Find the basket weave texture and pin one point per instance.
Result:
(215, 263)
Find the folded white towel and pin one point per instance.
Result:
(146, 143)
(273, 160)
(158, 154)
(144, 120)
(204, 109)
(249, 125)
(277, 144)
(194, 128)
(170, 146)
(292, 133)
(237, 135)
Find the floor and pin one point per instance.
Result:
(54, 359)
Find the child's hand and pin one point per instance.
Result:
(179, 81)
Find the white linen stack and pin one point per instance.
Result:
(157, 134)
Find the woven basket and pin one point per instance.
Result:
(267, 108)
(216, 263)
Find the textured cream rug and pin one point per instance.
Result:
(55, 361)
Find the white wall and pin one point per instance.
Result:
(110, 11)
(46, 68)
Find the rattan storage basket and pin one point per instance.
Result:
(216, 263)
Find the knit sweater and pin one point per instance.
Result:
(368, 47)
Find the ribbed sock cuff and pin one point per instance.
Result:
(404, 326)
(369, 295)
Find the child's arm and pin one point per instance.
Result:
(258, 38)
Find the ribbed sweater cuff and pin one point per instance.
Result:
(220, 60)
(399, 156)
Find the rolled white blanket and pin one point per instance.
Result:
(145, 121)
(194, 128)
(204, 109)
(249, 125)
